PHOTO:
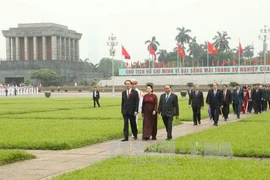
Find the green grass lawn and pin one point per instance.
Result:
(65, 123)
(172, 168)
(10, 156)
(249, 137)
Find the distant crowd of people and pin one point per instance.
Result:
(14, 90)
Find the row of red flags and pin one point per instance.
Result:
(210, 47)
(198, 64)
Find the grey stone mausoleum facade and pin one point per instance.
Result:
(34, 46)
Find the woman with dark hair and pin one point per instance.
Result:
(245, 100)
(149, 114)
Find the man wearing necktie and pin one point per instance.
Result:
(237, 100)
(129, 109)
(168, 108)
(226, 101)
(214, 100)
(196, 102)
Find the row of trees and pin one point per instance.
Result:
(198, 52)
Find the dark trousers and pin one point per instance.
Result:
(264, 105)
(96, 101)
(250, 106)
(196, 115)
(215, 114)
(133, 126)
(237, 108)
(257, 106)
(226, 110)
(168, 124)
(269, 103)
(234, 109)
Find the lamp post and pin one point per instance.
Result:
(112, 43)
(264, 35)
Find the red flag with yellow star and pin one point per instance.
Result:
(180, 51)
(211, 48)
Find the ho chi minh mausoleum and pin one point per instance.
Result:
(35, 46)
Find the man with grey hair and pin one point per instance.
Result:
(214, 100)
(168, 108)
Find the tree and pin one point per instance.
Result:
(204, 46)
(153, 42)
(233, 84)
(46, 76)
(221, 41)
(105, 66)
(190, 84)
(248, 52)
(194, 49)
(183, 36)
(163, 55)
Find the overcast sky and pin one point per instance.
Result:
(135, 21)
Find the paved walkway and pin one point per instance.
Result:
(50, 163)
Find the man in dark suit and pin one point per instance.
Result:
(96, 97)
(129, 109)
(256, 98)
(196, 102)
(214, 100)
(226, 101)
(264, 97)
(168, 108)
(189, 92)
(237, 100)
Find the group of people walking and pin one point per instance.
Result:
(134, 102)
(242, 99)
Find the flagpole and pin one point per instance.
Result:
(239, 57)
(253, 52)
(149, 58)
(207, 54)
(178, 58)
(122, 56)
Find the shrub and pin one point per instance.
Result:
(233, 84)
(47, 94)
(183, 93)
(190, 84)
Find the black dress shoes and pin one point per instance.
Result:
(199, 122)
(124, 140)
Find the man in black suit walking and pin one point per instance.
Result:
(196, 102)
(129, 109)
(96, 97)
(237, 100)
(168, 108)
(214, 100)
(226, 101)
(257, 98)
